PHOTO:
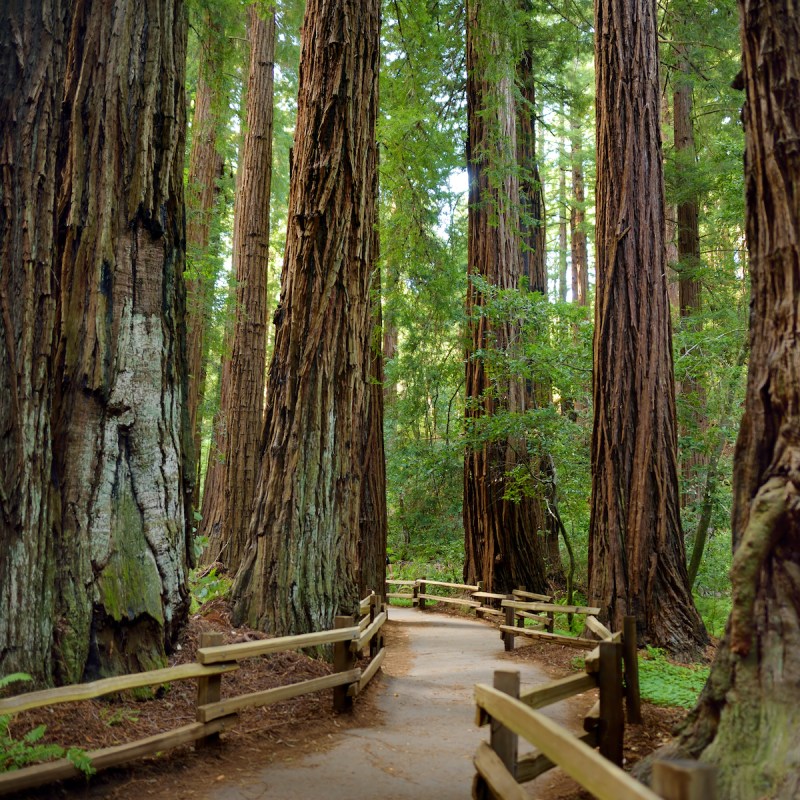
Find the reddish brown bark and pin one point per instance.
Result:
(501, 536)
(534, 268)
(688, 264)
(228, 503)
(577, 221)
(747, 719)
(120, 432)
(205, 170)
(32, 62)
(636, 556)
(373, 521)
(301, 569)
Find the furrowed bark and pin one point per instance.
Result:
(637, 562)
(120, 428)
(32, 63)
(228, 503)
(747, 718)
(301, 568)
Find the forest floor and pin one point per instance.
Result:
(411, 733)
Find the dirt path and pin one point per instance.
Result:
(425, 736)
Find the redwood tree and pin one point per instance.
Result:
(636, 554)
(120, 428)
(301, 568)
(32, 59)
(228, 502)
(501, 536)
(205, 170)
(747, 720)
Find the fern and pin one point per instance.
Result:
(17, 753)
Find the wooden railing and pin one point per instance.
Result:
(512, 714)
(213, 714)
(512, 611)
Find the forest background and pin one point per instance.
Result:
(423, 255)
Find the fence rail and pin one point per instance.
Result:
(614, 671)
(214, 714)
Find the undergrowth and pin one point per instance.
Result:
(16, 753)
(664, 683)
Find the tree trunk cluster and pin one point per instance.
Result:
(303, 563)
(502, 543)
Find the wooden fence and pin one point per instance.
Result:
(511, 611)
(213, 714)
(511, 713)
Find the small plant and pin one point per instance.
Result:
(666, 684)
(118, 717)
(206, 586)
(30, 749)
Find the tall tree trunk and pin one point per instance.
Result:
(501, 536)
(562, 212)
(228, 505)
(688, 263)
(205, 170)
(373, 522)
(120, 428)
(301, 568)
(390, 334)
(32, 60)
(747, 719)
(670, 211)
(577, 221)
(637, 562)
(534, 268)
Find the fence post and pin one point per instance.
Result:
(376, 642)
(550, 625)
(415, 595)
(630, 658)
(422, 590)
(612, 721)
(209, 689)
(343, 660)
(684, 780)
(508, 638)
(502, 740)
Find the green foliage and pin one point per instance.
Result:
(16, 753)
(205, 586)
(120, 716)
(667, 684)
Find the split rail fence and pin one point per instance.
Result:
(611, 667)
(512, 611)
(214, 714)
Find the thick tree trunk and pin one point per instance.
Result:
(32, 58)
(205, 170)
(748, 717)
(501, 536)
(121, 432)
(301, 569)
(637, 563)
(228, 504)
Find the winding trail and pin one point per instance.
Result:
(423, 741)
